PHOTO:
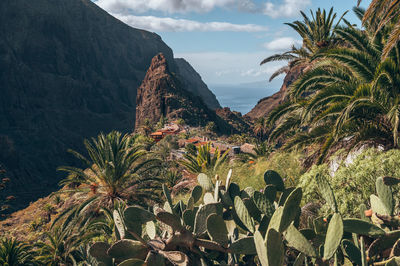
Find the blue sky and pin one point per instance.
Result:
(224, 40)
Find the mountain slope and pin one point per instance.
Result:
(68, 70)
(195, 84)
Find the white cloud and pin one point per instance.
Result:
(169, 6)
(158, 24)
(282, 44)
(283, 8)
(261, 72)
(287, 8)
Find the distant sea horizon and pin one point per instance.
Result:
(243, 97)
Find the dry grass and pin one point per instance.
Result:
(251, 173)
(29, 224)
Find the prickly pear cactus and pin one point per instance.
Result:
(221, 224)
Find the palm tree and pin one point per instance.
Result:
(317, 33)
(115, 170)
(261, 150)
(70, 230)
(14, 253)
(260, 128)
(352, 95)
(172, 178)
(380, 14)
(204, 161)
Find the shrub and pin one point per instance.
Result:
(353, 183)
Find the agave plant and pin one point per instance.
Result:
(115, 170)
(172, 178)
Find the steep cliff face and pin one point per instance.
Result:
(267, 104)
(68, 70)
(162, 93)
(193, 83)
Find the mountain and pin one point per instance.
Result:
(267, 104)
(68, 70)
(193, 82)
(163, 93)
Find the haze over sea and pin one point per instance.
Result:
(243, 97)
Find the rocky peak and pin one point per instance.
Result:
(162, 93)
(151, 95)
(157, 67)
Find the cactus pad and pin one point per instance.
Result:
(273, 178)
(333, 236)
(244, 214)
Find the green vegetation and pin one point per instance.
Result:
(353, 184)
(222, 224)
(380, 13)
(318, 33)
(211, 127)
(117, 170)
(250, 172)
(350, 94)
(14, 253)
(204, 161)
(326, 201)
(260, 128)
(270, 220)
(161, 123)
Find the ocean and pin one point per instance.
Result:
(242, 98)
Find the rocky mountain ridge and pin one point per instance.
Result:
(162, 93)
(68, 71)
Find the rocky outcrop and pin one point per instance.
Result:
(234, 119)
(68, 70)
(193, 83)
(162, 93)
(267, 104)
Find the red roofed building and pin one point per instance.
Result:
(201, 143)
(157, 136)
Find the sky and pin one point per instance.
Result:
(225, 40)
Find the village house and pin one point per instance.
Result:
(168, 129)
